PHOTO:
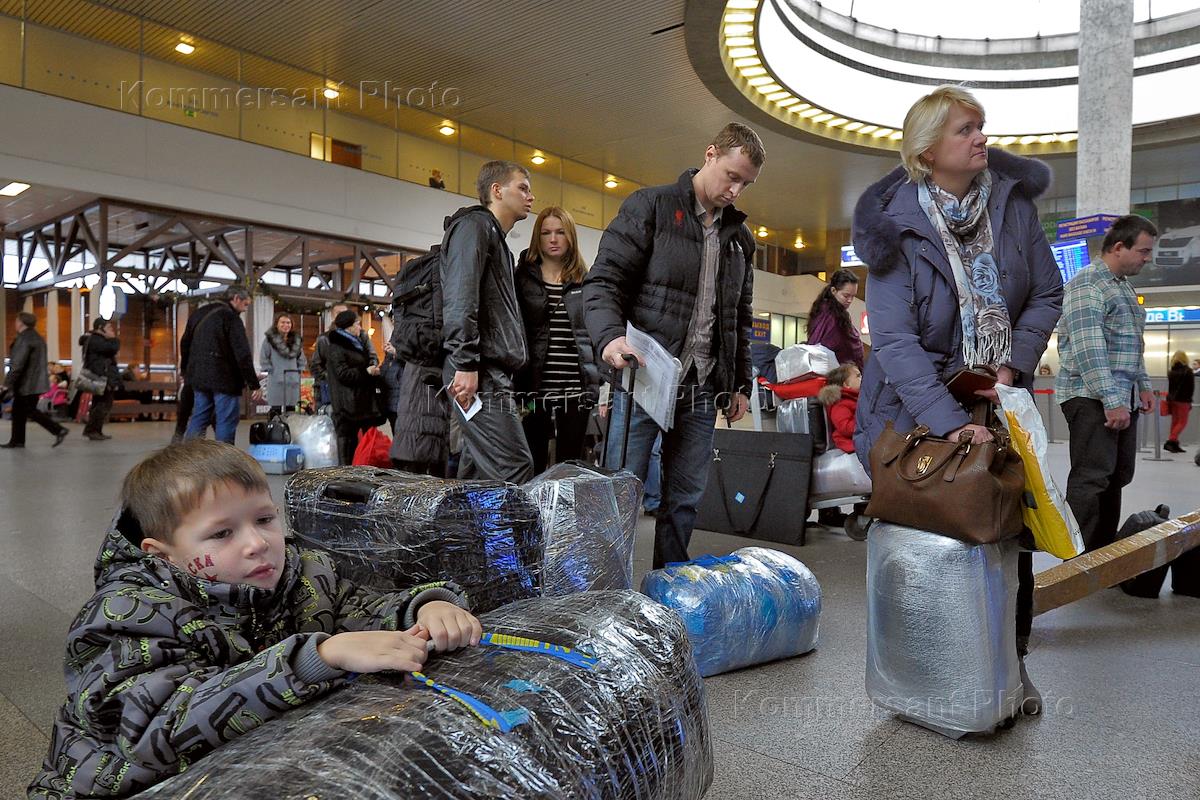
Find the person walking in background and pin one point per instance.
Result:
(353, 380)
(27, 378)
(100, 348)
(560, 380)
(1181, 388)
(217, 362)
(1102, 382)
(281, 359)
(829, 322)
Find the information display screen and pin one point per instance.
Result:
(1071, 257)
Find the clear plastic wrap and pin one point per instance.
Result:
(392, 530)
(317, 438)
(838, 474)
(941, 629)
(632, 728)
(590, 519)
(803, 415)
(749, 607)
(804, 359)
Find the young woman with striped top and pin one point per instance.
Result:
(560, 382)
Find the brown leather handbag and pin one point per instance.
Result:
(967, 491)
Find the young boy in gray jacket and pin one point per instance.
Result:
(206, 624)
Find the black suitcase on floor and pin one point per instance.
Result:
(390, 530)
(757, 485)
(1148, 584)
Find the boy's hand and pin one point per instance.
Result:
(448, 626)
(376, 651)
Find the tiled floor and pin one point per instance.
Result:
(1121, 675)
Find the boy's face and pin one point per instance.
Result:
(232, 536)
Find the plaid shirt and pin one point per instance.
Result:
(1100, 340)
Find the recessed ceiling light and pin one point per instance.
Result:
(538, 159)
(739, 51)
(865, 129)
(1048, 138)
(881, 132)
(13, 189)
(738, 30)
(1007, 140)
(1027, 139)
(331, 93)
(740, 41)
(761, 80)
(739, 16)
(897, 136)
(852, 126)
(799, 244)
(747, 62)
(833, 123)
(762, 233)
(185, 48)
(787, 101)
(1068, 137)
(753, 72)
(611, 183)
(775, 97)
(769, 88)
(447, 129)
(811, 111)
(822, 117)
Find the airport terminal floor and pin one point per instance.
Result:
(1120, 675)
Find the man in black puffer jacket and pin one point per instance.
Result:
(216, 361)
(677, 263)
(482, 332)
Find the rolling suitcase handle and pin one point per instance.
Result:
(617, 386)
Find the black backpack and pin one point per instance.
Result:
(274, 431)
(417, 311)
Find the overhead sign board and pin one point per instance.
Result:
(1083, 227)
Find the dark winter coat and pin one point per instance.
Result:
(317, 365)
(481, 321)
(28, 371)
(163, 667)
(283, 364)
(215, 352)
(912, 303)
(825, 330)
(647, 272)
(534, 299)
(353, 392)
(100, 356)
(1181, 384)
(422, 433)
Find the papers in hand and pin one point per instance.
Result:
(470, 410)
(657, 384)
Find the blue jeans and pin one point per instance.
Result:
(686, 454)
(226, 407)
(653, 484)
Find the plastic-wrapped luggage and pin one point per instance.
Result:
(751, 606)
(838, 474)
(388, 530)
(941, 629)
(803, 415)
(633, 727)
(804, 359)
(589, 518)
(317, 439)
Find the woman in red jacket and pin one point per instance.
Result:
(840, 396)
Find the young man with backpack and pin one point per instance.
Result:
(482, 335)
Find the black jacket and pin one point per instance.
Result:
(27, 370)
(1181, 384)
(353, 392)
(100, 355)
(532, 295)
(481, 321)
(316, 365)
(647, 272)
(215, 353)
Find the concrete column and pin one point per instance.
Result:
(76, 328)
(262, 313)
(52, 325)
(1105, 107)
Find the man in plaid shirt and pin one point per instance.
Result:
(1102, 382)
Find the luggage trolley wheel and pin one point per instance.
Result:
(856, 526)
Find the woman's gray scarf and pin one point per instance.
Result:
(966, 232)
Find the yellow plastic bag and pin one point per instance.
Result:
(1054, 527)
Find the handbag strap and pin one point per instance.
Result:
(762, 497)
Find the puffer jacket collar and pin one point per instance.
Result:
(731, 218)
(121, 561)
(889, 209)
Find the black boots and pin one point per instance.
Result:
(1172, 446)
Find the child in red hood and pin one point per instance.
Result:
(840, 396)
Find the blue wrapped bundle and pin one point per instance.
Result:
(752, 606)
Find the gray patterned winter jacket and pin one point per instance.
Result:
(162, 668)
